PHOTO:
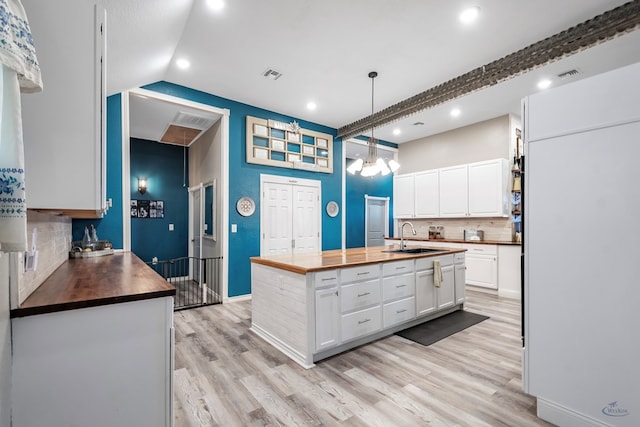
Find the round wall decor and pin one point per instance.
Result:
(332, 209)
(246, 206)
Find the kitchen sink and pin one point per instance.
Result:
(413, 250)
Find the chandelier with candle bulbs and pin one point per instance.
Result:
(373, 165)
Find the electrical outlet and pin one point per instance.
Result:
(234, 228)
(31, 261)
(170, 227)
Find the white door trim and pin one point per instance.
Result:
(126, 172)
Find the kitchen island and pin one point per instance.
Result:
(315, 305)
(93, 346)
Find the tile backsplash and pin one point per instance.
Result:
(498, 229)
(53, 245)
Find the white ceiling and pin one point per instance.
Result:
(325, 49)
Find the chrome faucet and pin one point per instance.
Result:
(413, 232)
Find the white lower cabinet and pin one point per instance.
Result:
(459, 276)
(430, 298)
(397, 312)
(327, 316)
(482, 266)
(361, 323)
(102, 366)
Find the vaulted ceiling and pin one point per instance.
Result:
(325, 49)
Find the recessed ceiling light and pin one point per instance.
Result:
(311, 106)
(543, 84)
(216, 4)
(469, 15)
(455, 112)
(397, 131)
(183, 63)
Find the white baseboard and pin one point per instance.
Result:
(289, 351)
(509, 293)
(565, 417)
(236, 299)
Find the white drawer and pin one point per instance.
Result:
(326, 278)
(361, 323)
(397, 267)
(397, 287)
(354, 274)
(398, 312)
(359, 295)
(427, 262)
(458, 258)
(482, 249)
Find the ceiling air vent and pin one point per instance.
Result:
(272, 74)
(193, 121)
(569, 74)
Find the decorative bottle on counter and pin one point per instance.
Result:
(94, 234)
(86, 240)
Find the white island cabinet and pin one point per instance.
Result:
(313, 306)
(63, 126)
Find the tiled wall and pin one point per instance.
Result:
(53, 245)
(499, 229)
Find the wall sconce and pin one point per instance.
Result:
(142, 185)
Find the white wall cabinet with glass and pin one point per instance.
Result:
(64, 147)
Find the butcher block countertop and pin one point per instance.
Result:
(474, 242)
(92, 282)
(329, 260)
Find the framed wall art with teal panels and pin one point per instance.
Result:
(287, 145)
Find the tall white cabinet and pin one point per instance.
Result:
(64, 135)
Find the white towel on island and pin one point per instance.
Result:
(19, 70)
(437, 273)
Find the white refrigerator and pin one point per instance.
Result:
(582, 250)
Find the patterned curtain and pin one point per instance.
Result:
(19, 71)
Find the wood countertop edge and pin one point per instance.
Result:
(75, 305)
(305, 270)
(473, 242)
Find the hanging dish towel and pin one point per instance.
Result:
(19, 71)
(437, 273)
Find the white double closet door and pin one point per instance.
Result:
(290, 219)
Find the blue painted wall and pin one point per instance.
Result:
(162, 165)
(244, 181)
(356, 187)
(109, 227)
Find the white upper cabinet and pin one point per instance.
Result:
(470, 190)
(63, 125)
(415, 195)
(403, 196)
(454, 192)
(427, 194)
(488, 188)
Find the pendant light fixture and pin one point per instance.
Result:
(374, 164)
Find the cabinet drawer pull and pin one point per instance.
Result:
(400, 268)
(329, 278)
(365, 294)
(400, 286)
(364, 273)
(360, 322)
(401, 311)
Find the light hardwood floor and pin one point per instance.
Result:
(227, 376)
